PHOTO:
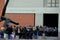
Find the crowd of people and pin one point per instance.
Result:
(27, 32)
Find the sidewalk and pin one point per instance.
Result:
(39, 38)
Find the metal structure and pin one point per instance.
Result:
(3, 17)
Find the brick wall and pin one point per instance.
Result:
(22, 18)
(1, 8)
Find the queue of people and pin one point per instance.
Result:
(27, 32)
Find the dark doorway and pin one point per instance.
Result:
(51, 20)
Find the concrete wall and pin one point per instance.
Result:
(25, 3)
(38, 19)
(32, 6)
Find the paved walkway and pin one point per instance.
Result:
(39, 38)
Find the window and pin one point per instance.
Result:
(51, 3)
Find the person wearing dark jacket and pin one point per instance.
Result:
(21, 34)
(24, 33)
(16, 31)
(30, 33)
(9, 31)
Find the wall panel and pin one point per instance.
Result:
(22, 18)
(1, 8)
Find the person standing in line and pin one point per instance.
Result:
(19, 32)
(30, 33)
(24, 32)
(16, 31)
(13, 33)
(9, 31)
(44, 30)
(34, 33)
(2, 32)
(40, 31)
